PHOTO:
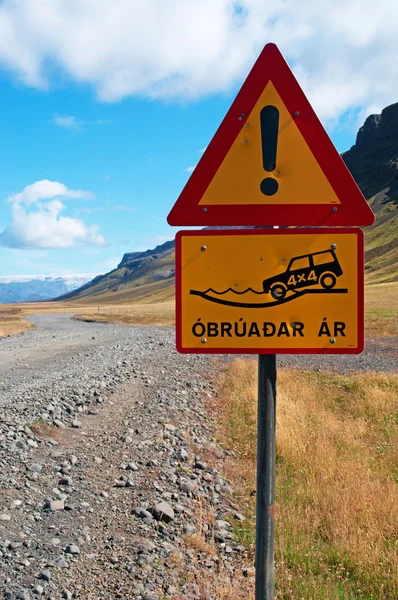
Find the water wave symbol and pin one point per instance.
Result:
(249, 289)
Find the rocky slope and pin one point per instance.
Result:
(130, 257)
(373, 161)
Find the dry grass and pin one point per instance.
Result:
(44, 430)
(337, 474)
(213, 584)
(381, 310)
(11, 322)
(221, 587)
(157, 313)
(161, 313)
(215, 581)
(381, 299)
(381, 326)
(200, 541)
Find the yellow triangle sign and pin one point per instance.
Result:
(271, 162)
(299, 176)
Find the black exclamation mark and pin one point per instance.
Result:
(269, 121)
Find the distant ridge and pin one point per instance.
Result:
(139, 277)
(37, 288)
(129, 256)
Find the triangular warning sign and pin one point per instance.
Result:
(271, 162)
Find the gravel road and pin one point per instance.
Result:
(101, 496)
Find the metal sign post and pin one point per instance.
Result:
(252, 291)
(265, 489)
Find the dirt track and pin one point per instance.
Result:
(59, 339)
(101, 420)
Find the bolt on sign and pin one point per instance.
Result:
(268, 291)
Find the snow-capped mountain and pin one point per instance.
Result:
(32, 288)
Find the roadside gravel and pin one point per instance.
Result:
(103, 490)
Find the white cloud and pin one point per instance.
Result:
(343, 51)
(189, 169)
(73, 124)
(45, 189)
(47, 228)
(67, 122)
(38, 224)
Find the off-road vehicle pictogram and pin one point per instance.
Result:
(321, 268)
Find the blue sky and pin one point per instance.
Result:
(111, 108)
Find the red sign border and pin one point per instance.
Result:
(353, 210)
(332, 350)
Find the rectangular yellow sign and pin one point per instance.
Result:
(269, 291)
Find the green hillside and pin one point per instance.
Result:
(141, 277)
(381, 256)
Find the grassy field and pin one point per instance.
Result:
(381, 309)
(156, 313)
(337, 476)
(12, 322)
(381, 300)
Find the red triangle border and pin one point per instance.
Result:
(353, 210)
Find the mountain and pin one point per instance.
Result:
(130, 256)
(373, 161)
(36, 288)
(140, 277)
